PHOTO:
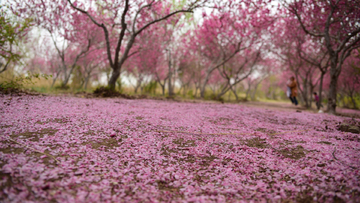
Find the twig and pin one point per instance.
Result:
(333, 153)
(199, 133)
(292, 131)
(57, 161)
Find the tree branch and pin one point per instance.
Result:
(161, 19)
(326, 31)
(138, 12)
(99, 25)
(122, 34)
(6, 65)
(294, 11)
(352, 44)
(78, 56)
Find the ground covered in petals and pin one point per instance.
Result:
(66, 149)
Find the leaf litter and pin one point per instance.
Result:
(58, 149)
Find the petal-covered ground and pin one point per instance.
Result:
(67, 149)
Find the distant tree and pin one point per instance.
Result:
(11, 33)
(349, 80)
(336, 24)
(128, 19)
(231, 29)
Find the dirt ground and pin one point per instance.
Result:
(271, 105)
(284, 106)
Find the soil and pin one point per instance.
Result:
(18, 92)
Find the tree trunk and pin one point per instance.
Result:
(163, 89)
(5, 67)
(305, 93)
(353, 100)
(170, 87)
(136, 89)
(196, 90)
(248, 90)
(113, 78)
(332, 94)
(138, 84)
(234, 92)
(254, 92)
(54, 80)
(118, 64)
(86, 82)
(320, 90)
(202, 88)
(158, 80)
(225, 89)
(66, 79)
(185, 89)
(310, 95)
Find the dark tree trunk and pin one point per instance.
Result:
(138, 85)
(233, 89)
(86, 82)
(113, 78)
(320, 90)
(353, 100)
(332, 95)
(202, 89)
(163, 89)
(254, 91)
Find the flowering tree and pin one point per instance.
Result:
(190, 72)
(90, 65)
(161, 75)
(229, 30)
(80, 39)
(349, 80)
(302, 55)
(45, 60)
(305, 74)
(315, 54)
(134, 18)
(173, 52)
(163, 51)
(336, 23)
(71, 33)
(148, 57)
(236, 70)
(265, 68)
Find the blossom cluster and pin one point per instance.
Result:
(71, 149)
